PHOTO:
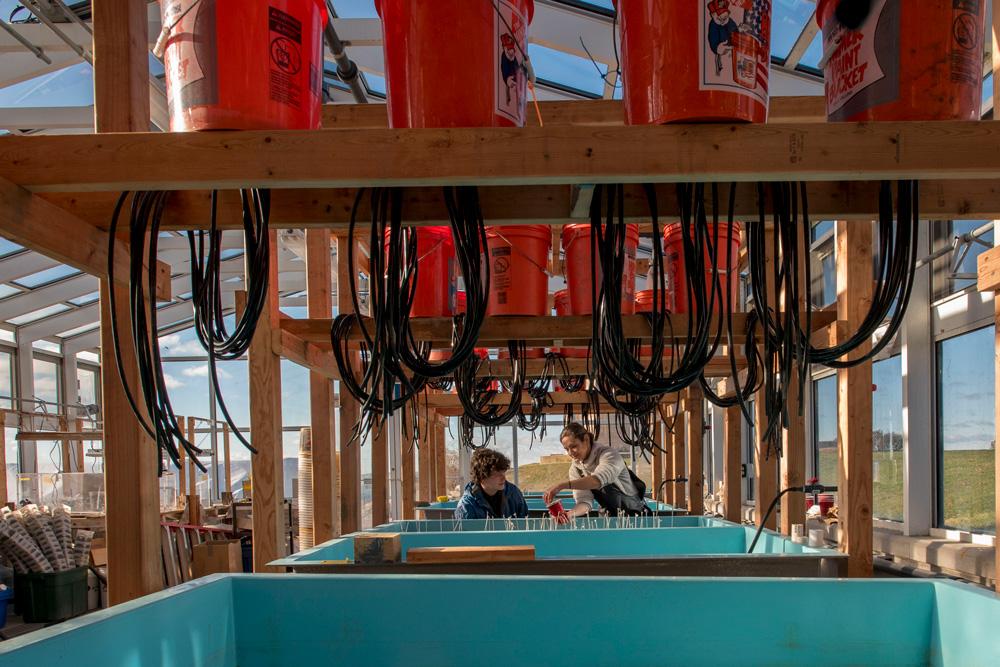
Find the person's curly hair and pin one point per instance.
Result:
(485, 462)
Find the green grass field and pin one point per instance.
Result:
(969, 490)
(536, 477)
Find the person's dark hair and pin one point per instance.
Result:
(576, 431)
(485, 462)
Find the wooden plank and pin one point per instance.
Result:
(490, 554)
(319, 301)
(66, 436)
(440, 450)
(307, 355)
(265, 426)
(732, 465)
(39, 225)
(536, 204)
(765, 461)
(503, 156)
(657, 427)
(792, 466)
(680, 465)
(545, 329)
(695, 444)
(408, 454)
(194, 471)
(854, 402)
(182, 464)
(350, 452)
(380, 474)
(668, 464)
(184, 554)
(988, 265)
(169, 551)
(79, 445)
(425, 492)
(66, 457)
(225, 457)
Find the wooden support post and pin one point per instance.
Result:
(657, 427)
(268, 495)
(407, 451)
(793, 454)
(441, 460)
(182, 465)
(380, 474)
(765, 462)
(668, 464)
(225, 458)
(426, 472)
(193, 470)
(350, 452)
(78, 445)
(67, 456)
(695, 442)
(732, 465)
(121, 104)
(319, 300)
(854, 406)
(680, 465)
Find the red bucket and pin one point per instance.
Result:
(579, 277)
(729, 240)
(923, 62)
(531, 353)
(437, 274)
(236, 65)
(695, 61)
(562, 308)
(455, 63)
(518, 257)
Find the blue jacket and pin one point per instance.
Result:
(472, 504)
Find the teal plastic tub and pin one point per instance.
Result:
(271, 620)
(702, 547)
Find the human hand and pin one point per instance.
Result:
(551, 493)
(563, 518)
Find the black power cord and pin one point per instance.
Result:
(808, 488)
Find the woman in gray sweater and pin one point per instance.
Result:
(597, 473)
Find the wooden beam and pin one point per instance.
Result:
(308, 355)
(695, 445)
(732, 465)
(657, 427)
(45, 436)
(988, 265)
(265, 426)
(425, 492)
(534, 204)
(854, 402)
(380, 474)
(563, 113)
(668, 463)
(121, 104)
(540, 331)
(765, 461)
(319, 302)
(680, 466)
(350, 449)
(440, 464)
(792, 466)
(39, 225)
(504, 156)
(194, 472)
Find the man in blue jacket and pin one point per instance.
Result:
(489, 495)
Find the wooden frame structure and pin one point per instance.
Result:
(49, 204)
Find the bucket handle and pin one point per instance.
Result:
(161, 41)
(523, 254)
(421, 257)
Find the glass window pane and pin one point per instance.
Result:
(47, 276)
(825, 405)
(887, 438)
(966, 432)
(956, 271)
(88, 392)
(6, 383)
(46, 381)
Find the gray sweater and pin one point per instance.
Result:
(608, 466)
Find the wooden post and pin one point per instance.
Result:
(182, 464)
(319, 274)
(121, 104)
(680, 467)
(695, 442)
(67, 457)
(193, 470)
(765, 463)
(407, 454)
(380, 474)
(854, 407)
(793, 454)
(732, 465)
(657, 426)
(668, 464)
(426, 473)
(78, 445)
(350, 452)
(225, 458)
(441, 460)
(268, 495)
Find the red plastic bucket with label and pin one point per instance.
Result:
(562, 308)
(518, 257)
(455, 63)
(695, 61)
(436, 272)
(826, 501)
(912, 60)
(729, 240)
(237, 65)
(579, 276)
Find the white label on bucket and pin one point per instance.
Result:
(510, 30)
(286, 58)
(735, 55)
(190, 59)
(866, 60)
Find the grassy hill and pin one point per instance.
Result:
(536, 477)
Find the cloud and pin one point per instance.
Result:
(202, 372)
(173, 345)
(171, 382)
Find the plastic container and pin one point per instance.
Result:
(305, 499)
(913, 60)
(729, 240)
(688, 61)
(826, 501)
(562, 308)
(56, 596)
(530, 353)
(437, 273)
(556, 508)
(455, 63)
(579, 273)
(4, 597)
(236, 65)
(518, 260)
